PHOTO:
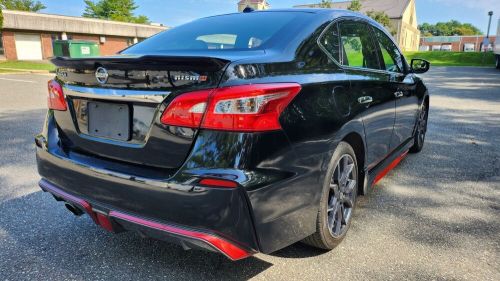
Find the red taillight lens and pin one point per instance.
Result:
(186, 110)
(240, 108)
(55, 98)
(219, 183)
(249, 107)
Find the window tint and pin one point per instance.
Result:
(393, 60)
(358, 49)
(233, 31)
(331, 41)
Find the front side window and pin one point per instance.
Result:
(393, 60)
(358, 49)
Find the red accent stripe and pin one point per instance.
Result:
(104, 222)
(230, 250)
(390, 167)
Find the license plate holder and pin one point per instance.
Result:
(109, 120)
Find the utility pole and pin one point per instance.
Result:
(486, 41)
(490, 13)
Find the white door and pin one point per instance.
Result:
(28, 46)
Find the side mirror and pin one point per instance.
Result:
(419, 66)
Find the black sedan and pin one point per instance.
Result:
(239, 133)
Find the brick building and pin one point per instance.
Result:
(456, 43)
(29, 36)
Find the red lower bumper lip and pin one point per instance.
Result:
(230, 250)
(227, 248)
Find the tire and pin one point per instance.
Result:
(497, 61)
(421, 130)
(338, 199)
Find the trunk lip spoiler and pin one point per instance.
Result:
(144, 62)
(126, 95)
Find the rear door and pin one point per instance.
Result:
(369, 85)
(402, 85)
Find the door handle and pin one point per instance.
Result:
(398, 94)
(365, 100)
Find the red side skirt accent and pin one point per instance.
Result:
(390, 167)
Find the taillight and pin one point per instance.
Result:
(186, 110)
(239, 108)
(218, 183)
(55, 98)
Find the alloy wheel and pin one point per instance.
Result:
(342, 196)
(422, 125)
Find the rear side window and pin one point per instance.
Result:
(234, 31)
(330, 41)
(393, 60)
(358, 48)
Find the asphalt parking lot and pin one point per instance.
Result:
(435, 217)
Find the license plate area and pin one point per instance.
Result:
(109, 120)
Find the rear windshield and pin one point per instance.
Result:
(234, 31)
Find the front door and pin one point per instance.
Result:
(369, 86)
(403, 87)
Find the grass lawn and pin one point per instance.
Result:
(439, 58)
(27, 65)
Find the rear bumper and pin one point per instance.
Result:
(273, 205)
(117, 221)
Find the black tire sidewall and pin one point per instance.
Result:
(328, 239)
(497, 61)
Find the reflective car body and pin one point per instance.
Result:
(154, 177)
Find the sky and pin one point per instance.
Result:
(176, 12)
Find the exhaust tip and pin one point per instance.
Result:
(76, 211)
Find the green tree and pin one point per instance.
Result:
(325, 4)
(22, 5)
(119, 10)
(355, 6)
(382, 18)
(449, 28)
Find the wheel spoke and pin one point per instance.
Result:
(345, 174)
(339, 219)
(350, 185)
(342, 211)
(335, 189)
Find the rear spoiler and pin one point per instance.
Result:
(149, 62)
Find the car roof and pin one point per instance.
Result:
(322, 11)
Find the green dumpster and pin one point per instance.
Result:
(75, 49)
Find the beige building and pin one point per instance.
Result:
(254, 4)
(403, 17)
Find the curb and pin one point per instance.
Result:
(17, 70)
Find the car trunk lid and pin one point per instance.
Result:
(114, 105)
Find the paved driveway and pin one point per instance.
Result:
(436, 216)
